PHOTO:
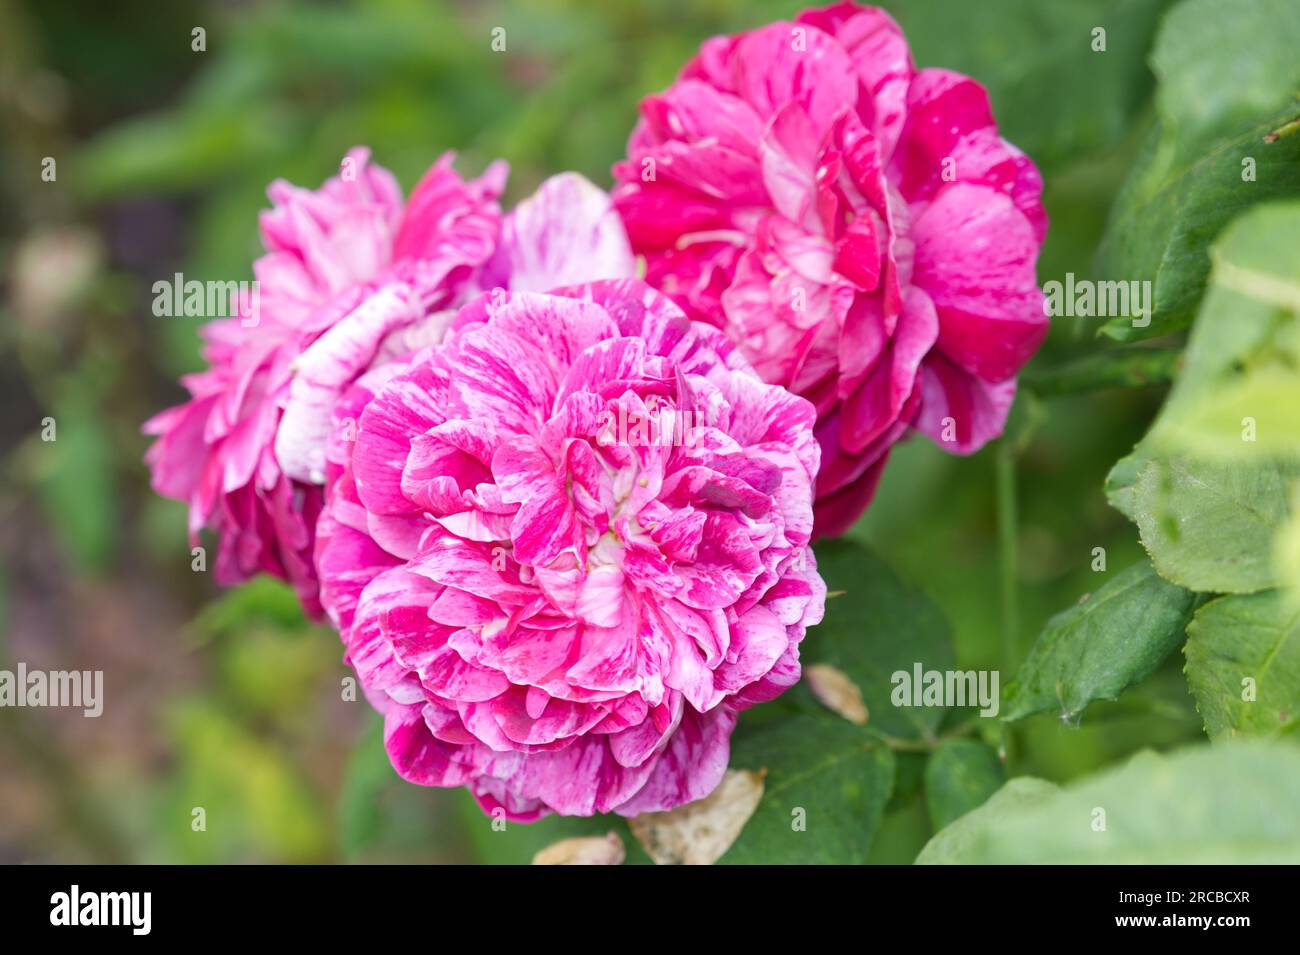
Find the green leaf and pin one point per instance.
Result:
(1206, 83)
(1170, 210)
(960, 776)
(1209, 527)
(876, 626)
(959, 840)
(1122, 479)
(1240, 638)
(824, 794)
(1240, 386)
(1286, 550)
(1209, 486)
(1234, 803)
(1094, 650)
(1216, 108)
(1260, 405)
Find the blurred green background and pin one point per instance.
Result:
(230, 701)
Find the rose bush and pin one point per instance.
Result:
(861, 233)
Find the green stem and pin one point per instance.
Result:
(1282, 132)
(1008, 559)
(1126, 368)
(906, 745)
(964, 728)
(929, 742)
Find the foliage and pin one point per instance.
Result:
(1228, 804)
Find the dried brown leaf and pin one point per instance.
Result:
(584, 850)
(700, 832)
(837, 692)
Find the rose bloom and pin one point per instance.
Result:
(854, 224)
(352, 278)
(548, 611)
